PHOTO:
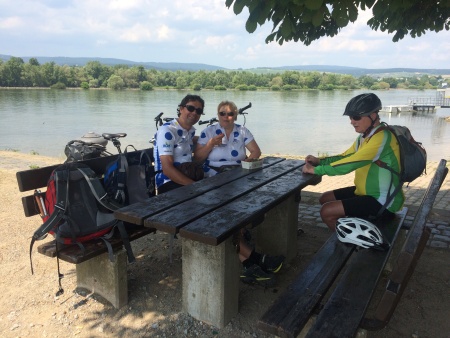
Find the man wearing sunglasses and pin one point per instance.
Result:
(174, 144)
(372, 183)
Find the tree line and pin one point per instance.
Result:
(16, 73)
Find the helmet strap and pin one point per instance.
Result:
(368, 130)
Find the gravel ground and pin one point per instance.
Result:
(29, 307)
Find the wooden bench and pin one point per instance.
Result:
(94, 270)
(339, 281)
(209, 214)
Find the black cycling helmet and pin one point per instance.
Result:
(363, 105)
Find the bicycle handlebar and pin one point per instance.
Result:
(157, 118)
(241, 110)
(210, 121)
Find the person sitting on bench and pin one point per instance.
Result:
(223, 146)
(372, 183)
(174, 143)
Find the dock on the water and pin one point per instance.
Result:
(421, 104)
(405, 108)
(397, 108)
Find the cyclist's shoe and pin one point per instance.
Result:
(256, 275)
(271, 264)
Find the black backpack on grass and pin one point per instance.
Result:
(81, 211)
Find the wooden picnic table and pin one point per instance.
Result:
(208, 216)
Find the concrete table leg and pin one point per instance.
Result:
(105, 278)
(277, 235)
(210, 281)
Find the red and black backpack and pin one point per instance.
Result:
(78, 210)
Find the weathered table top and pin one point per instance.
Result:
(235, 193)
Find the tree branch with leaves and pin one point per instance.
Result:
(309, 20)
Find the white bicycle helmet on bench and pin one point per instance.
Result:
(360, 232)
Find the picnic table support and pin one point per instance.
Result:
(210, 281)
(277, 235)
(106, 278)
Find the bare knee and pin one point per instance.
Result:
(327, 196)
(330, 212)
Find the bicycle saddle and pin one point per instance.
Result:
(110, 137)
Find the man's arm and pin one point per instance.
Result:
(173, 173)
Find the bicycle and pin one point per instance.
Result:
(81, 149)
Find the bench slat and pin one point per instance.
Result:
(221, 223)
(73, 254)
(138, 212)
(345, 309)
(170, 221)
(291, 311)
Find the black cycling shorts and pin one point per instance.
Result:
(171, 185)
(359, 206)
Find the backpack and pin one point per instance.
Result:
(77, 211)
(130, 178)
(413, 159)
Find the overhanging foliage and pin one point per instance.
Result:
(309, 20)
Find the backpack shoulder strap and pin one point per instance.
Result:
(62, 188)
(122, 178)
(97, 189)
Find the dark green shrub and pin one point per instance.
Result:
(145, 85)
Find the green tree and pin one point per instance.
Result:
(145, 85)
(12, 72)
(393, 82)
(309, 20)
(115, 82)
(312, 80)
(96, 71)
(33, 62)
(366, 81)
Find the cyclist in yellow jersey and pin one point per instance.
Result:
(373, 184)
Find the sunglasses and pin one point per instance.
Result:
(356, 118)
(191, 109)
(222, 113)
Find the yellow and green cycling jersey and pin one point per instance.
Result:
(370, 179)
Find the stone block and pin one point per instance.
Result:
(105, 278)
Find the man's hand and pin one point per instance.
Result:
(308, 169)
(312, 160)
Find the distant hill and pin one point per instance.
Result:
(173, 66)
(81, 61)
(355, 71)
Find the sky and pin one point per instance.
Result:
(196, 31)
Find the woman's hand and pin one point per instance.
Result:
(216, 140)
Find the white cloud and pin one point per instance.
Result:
(196, 31)
(11, 23)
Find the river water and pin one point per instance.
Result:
(293, 123)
